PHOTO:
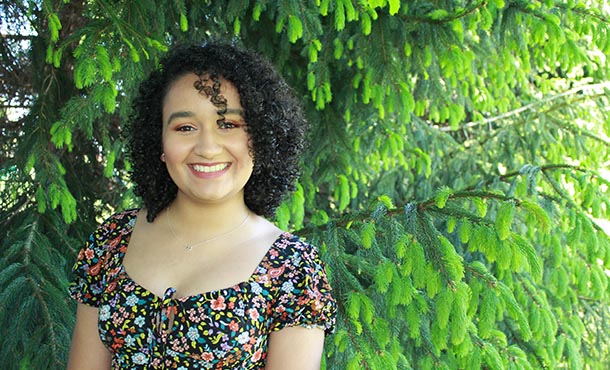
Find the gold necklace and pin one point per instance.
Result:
(189, 247)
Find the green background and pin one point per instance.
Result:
(456, 183)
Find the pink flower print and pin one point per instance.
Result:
(89, 254)
(207, 356)
(258, 301)
(254, 315)
(117, 319)
(95, 269)
(257, 355)
(194, 315)
(114, 242)
(233, 326)
(317, 305)
(302, 301)
(218, 304)
(276, 272)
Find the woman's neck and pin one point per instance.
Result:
(194, 221)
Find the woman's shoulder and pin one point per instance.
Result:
(123, 216)
(119, 220)
(114, 228)
(293, 243)
(100, 254)
(290, 244)
(295, 253)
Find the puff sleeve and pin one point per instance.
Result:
(304, 296)
(90, 272)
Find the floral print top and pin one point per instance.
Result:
(221, 329)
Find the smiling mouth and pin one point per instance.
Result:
(210, 169)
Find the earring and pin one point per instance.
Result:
(163, 157)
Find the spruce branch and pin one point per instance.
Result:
(448, 17)
(545, 170)
(304, 18)
(532, 105)
(559, 190)
(21, 205)
(525, 344)
(470, 194)
(487, 277)
(584, 13)
(38, 293)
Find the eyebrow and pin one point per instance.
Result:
(189, 114)
(235, 111)
(179, 114)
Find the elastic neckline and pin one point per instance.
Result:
(197, 296)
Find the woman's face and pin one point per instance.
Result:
(208, 160)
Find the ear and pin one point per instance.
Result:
(163, 157)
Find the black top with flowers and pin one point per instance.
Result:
(221, 329)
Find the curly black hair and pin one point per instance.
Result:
(275, 121)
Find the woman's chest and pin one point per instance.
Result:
(157, 264)
(228, 325)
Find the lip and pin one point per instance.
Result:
(209, 170)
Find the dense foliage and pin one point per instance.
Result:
(457, 180)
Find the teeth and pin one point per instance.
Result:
(208, 169)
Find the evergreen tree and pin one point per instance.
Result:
(456, 183)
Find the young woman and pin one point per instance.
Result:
(199, 278)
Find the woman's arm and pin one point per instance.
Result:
(295, 348)
(87, 351)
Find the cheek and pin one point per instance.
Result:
(250, 144)
(249, 151)
(174, 145)
(246, 159)
(173, 153)
(164, 145)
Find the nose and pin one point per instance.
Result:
(208, 142)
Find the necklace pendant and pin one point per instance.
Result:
(189, 247)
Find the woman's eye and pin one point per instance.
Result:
(227, 125)
(184, 128)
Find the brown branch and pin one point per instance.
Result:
(450, 17)
(10, 36)
(530, 106)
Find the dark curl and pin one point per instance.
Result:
(275, 124)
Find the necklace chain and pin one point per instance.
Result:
(189, 247)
